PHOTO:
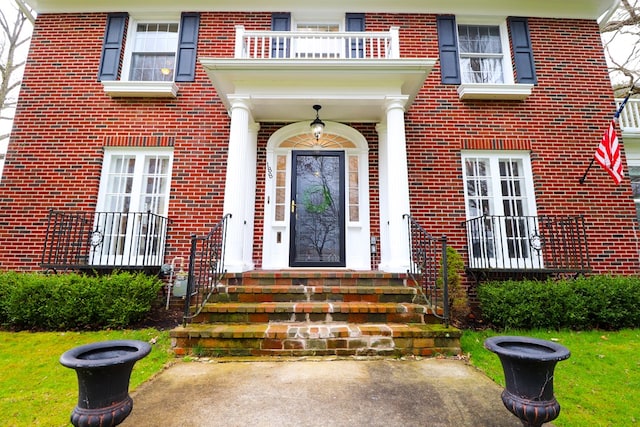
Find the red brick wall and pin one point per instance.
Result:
(64, 120)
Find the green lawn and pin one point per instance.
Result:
(36, 390)
(599, 385)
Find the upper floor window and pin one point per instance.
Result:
(476, 54)
(153, 52)
(157, 53)
(481, 54)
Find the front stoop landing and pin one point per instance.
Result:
(316, 314)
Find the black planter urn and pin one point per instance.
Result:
(103, 370)
(528, 365)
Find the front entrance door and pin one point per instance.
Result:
(317, 209)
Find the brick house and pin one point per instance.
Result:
(138, 127)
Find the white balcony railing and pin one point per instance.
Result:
(630, 116)
(316, 45)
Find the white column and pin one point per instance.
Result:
(236, 185)
(383, 171)
(394, 189)
(250, 192)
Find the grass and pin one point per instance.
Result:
(598, 386)
(36, 390)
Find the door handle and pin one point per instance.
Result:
(293, 206)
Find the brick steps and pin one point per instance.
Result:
(317, 278)
(316, 339)
(313, 311)
(301, 313)
(268, 293)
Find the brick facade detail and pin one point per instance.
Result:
(64, 120)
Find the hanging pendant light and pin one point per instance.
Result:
(317, 126)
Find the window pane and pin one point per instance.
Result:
(152, 194)
(154, 51)
(152, 67)
(479, 39)
(634, 175)
(480, 54)
(354, 190)
(280, 204)
(482, 70)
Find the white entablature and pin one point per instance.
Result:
(588, 9)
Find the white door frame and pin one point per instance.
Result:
(275, 242)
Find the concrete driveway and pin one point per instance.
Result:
(320, 392)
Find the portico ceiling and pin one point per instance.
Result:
(348, 90)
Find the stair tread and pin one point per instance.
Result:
(302, 289)
(283, 330)
(314, 307)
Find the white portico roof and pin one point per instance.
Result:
(580, 9)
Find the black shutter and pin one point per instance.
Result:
(522, 52)
(448, 45)
(187, 45)
(280, 22)
(355, 22)
(112, 46)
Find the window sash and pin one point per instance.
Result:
(151, 54)
(481, 54)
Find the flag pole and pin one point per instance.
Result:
(584, 177)
(615, 116)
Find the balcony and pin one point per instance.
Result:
(281, 74)
(527, 244)
(104, 241)
(316, 45)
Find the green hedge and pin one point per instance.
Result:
(74, 301)
(595, 302)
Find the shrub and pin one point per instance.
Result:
(595, 302)
(73, 301)
(458, 300)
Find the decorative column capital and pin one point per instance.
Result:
(395, 102)
(240, 101)
(254, 127)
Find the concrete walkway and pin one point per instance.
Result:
(322, 392)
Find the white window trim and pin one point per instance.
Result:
(122, 88)
(507, 91)
(125, 88)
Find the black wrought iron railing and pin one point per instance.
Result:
(428, 267)
(99, 240)
(206, 268)
(545, 243)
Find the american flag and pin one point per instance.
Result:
(608, 153)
